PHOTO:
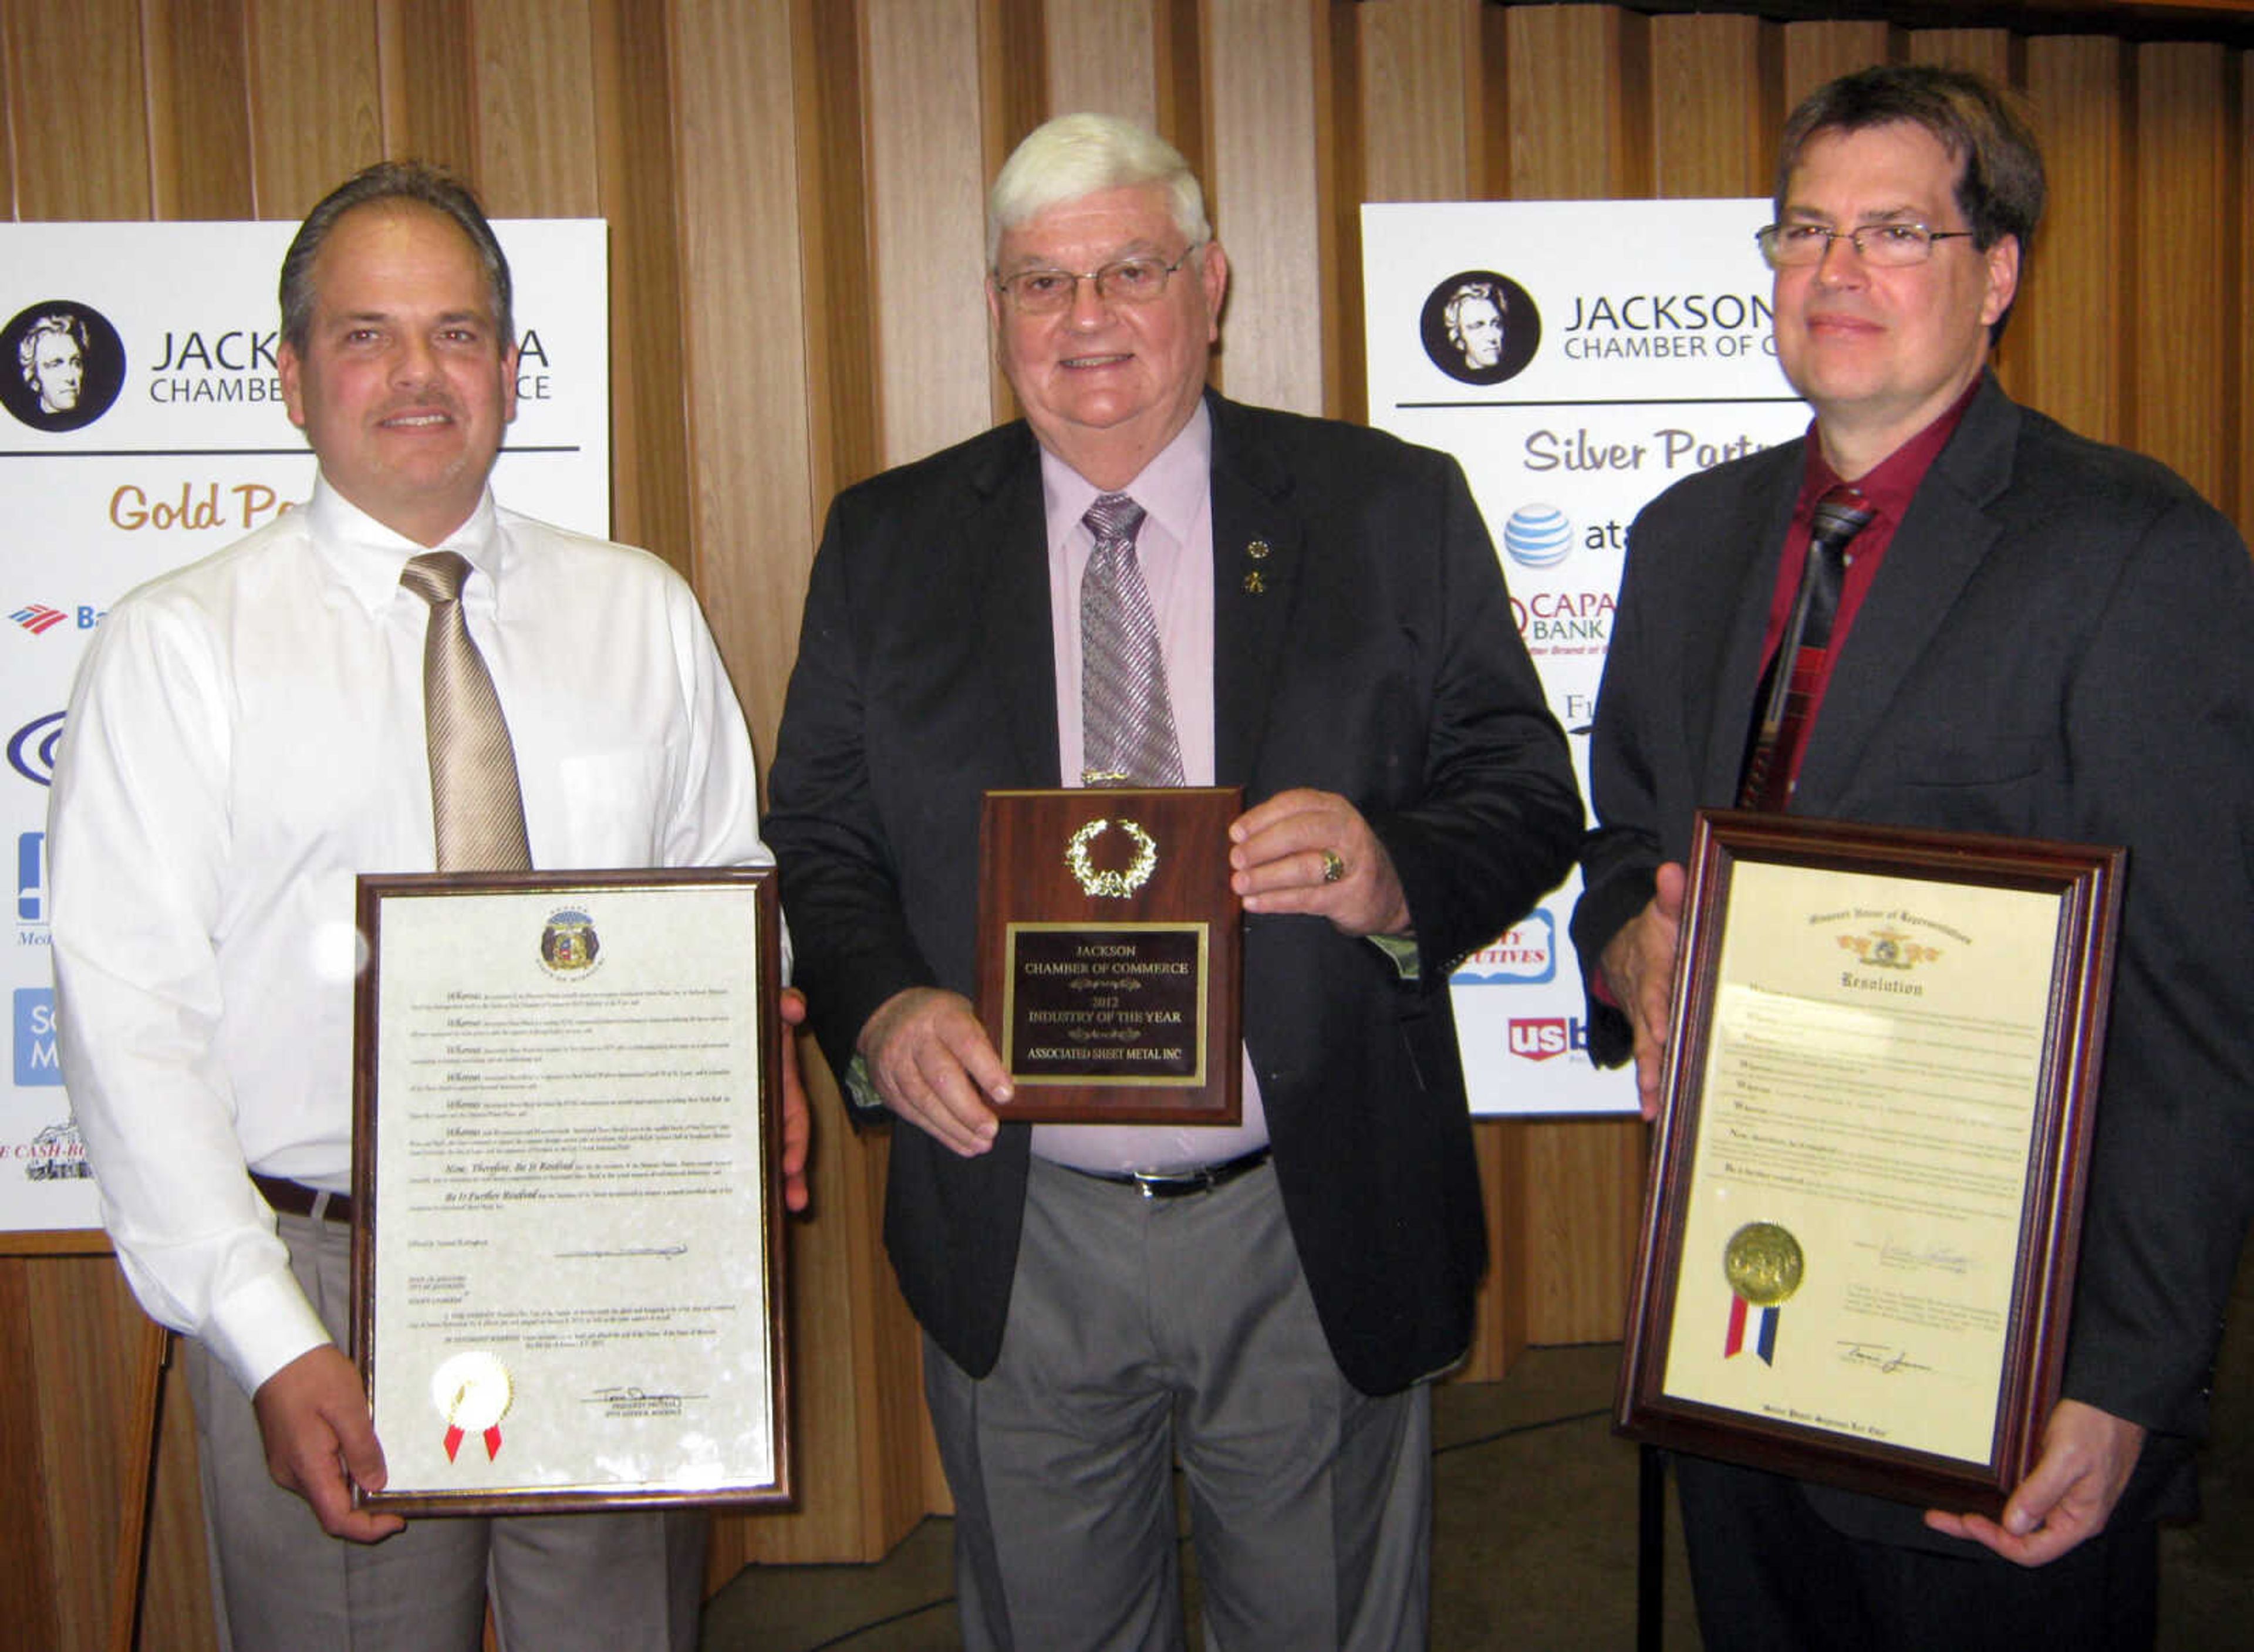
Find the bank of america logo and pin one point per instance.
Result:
(37, 617)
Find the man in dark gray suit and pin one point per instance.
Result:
(1336, 636)
(2035, 635)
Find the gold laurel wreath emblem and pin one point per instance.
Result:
(1116, 885)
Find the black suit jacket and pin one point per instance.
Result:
(2059, 644)
(1379, 659)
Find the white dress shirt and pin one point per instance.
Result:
(245, 736)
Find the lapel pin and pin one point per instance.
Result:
(1257, 549)
(1254, 583)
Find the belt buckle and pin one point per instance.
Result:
(1173, 1184)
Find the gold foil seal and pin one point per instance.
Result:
(1763, 1263)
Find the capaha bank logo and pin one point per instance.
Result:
(1480, 327)
(1525, 954)
(61, 365)
(32, 748)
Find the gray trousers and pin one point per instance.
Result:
(615, 1583)
(1141, 1329)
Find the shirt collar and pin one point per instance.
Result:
(369, 557)
(1171, 489)
(1893, 482)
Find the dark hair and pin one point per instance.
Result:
(2000, 188)
(415, 181)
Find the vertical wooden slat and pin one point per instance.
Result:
(1102, 56)
(1569, 140)
(845, 405)
(198, 112)
(2061, 358)
(427, 77)
(78, 108)
(535, 143)
(633, 162)
(1263, 62)
(1984, 52)
(2239, 278)
(1418, 74)
(927, 224)
(2183, 129)
(1713, 113)
(315, 99)
(25, 1494)
(1815, 53)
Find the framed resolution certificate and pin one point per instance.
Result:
(567, 1210)
(1859, 1249)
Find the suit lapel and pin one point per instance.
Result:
(1748, 545)
(1259, 545)
(1943, 540)
(1003, 535)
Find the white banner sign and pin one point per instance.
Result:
(1576, 357)
(144, 429)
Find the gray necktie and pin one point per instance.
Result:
(474, 801)
(1126, 718)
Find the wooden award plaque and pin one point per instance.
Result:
(1109, 970)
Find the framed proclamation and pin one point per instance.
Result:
(1859, 1244)
(567, 1207)
(1109, 977)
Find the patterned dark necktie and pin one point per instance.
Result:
(475, 805)
(1772, 767)
(1126, 716)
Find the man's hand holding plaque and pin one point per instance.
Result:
(1109, 968)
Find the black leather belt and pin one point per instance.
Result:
(295, 1199)
(1177, 1184)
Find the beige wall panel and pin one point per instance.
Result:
(1571, 75)
(77, 109)
(535, 128)
(426, 79)
(199, 108)
(1102, 56)
(1571, 72)
(927, 224)
(742, 304)
(2185, 126)
(1417, 72)
(1986, 51)
(1815, 53)
(2064, 351)
(314, 99)
(1264, 62)
(633, 122)
(1714, 127)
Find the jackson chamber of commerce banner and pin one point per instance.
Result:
(1576, 357)
(144, 429)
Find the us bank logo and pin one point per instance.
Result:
(35, 1037)
(1523, 955)
(1540, 1038)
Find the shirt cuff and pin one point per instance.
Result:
(1403, 950)
(262, 1327)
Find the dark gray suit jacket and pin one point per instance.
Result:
(1378, 660)
(2059, 644)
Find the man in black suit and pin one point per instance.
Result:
(2035, 635)
(1334, 634)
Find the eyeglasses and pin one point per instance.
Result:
(1043, 292)
(1883, 246)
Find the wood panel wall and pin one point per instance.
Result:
(794, 188)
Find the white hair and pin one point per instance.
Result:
(1077, 155)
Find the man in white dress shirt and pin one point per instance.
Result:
(246, 734)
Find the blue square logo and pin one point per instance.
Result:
(35, 1037)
